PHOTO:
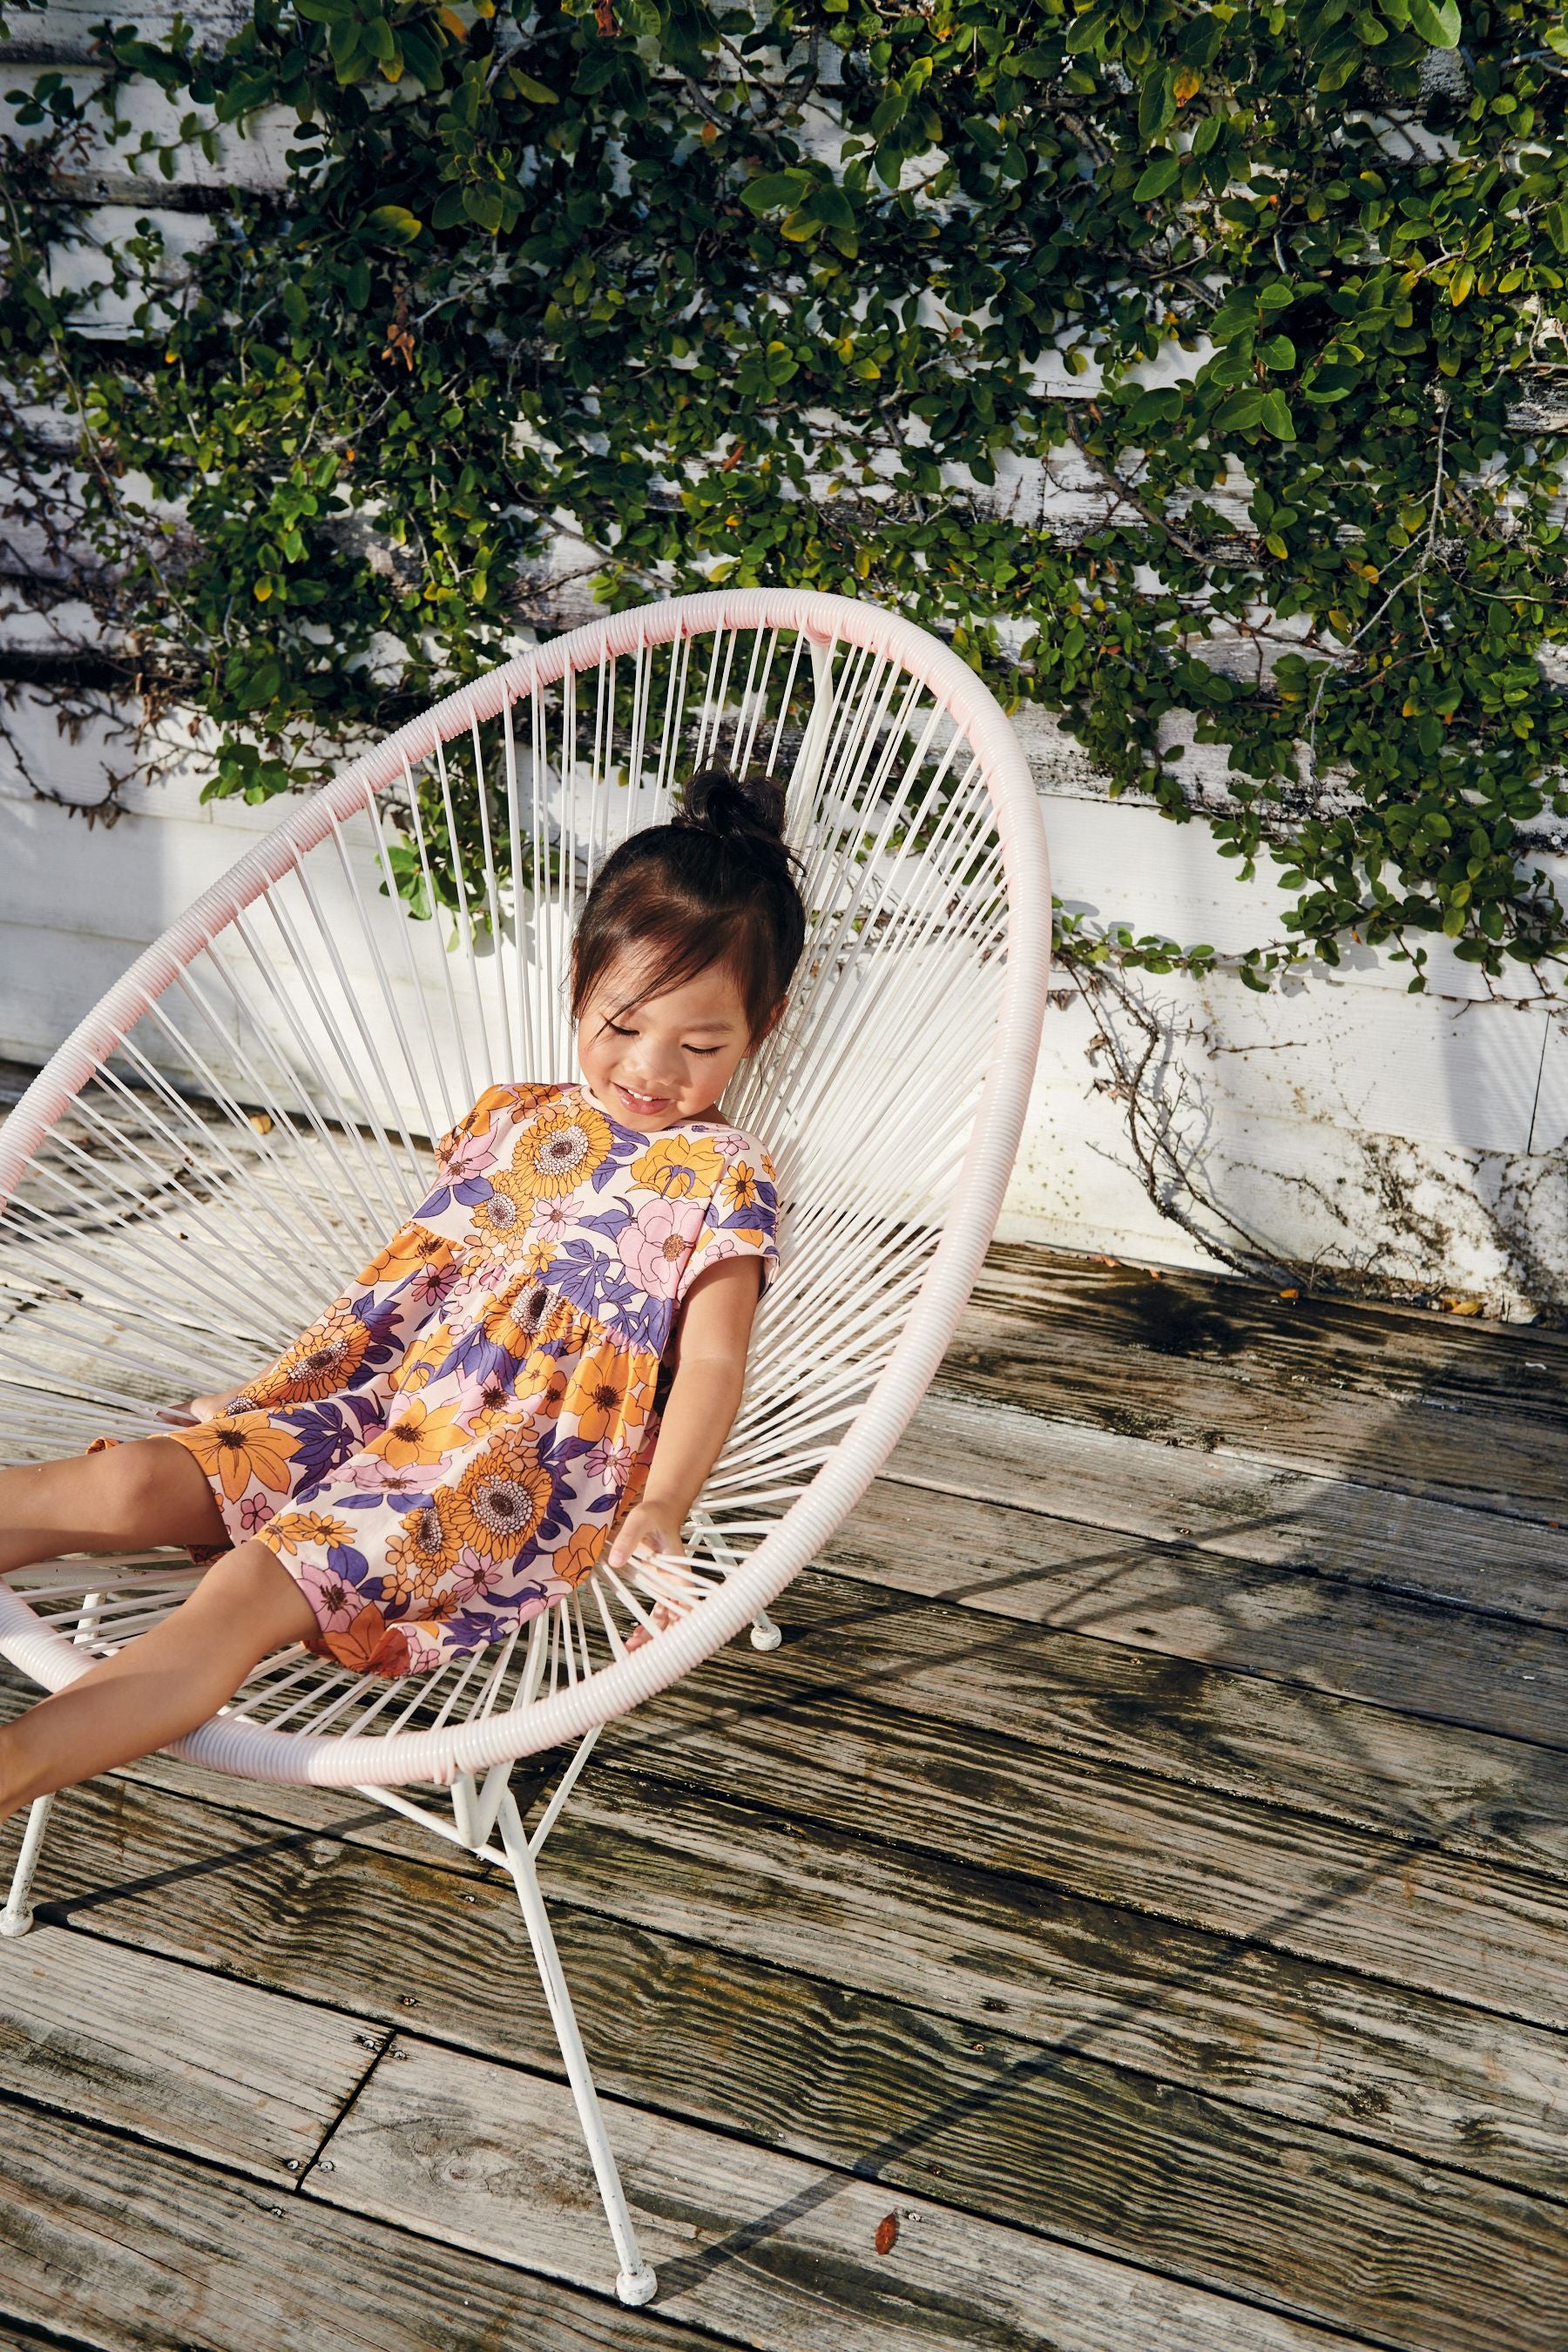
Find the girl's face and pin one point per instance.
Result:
(668, 1059)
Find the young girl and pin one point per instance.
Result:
(458, 1438)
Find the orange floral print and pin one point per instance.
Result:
(610, 1394)
(239, 1447)
(418, 1433)
(560, 1149)
(679, 1166)
(500, 1499)
(317, 1365)
(448, 1448)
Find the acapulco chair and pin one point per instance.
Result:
(247, 1115)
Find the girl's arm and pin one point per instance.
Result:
(712, 1337)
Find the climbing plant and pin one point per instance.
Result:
(809, 291)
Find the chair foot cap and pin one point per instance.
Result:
(638, 2286)
(15, 1923)
(765, 1634)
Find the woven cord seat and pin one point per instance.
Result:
(248, 1113)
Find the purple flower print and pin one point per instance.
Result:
(254, 1512)
(431, 1283)
(657, 1242)
(461, 1179)
(331, 1596)
(554, 1220)
(373, 1473)
(612, 1460)
(474, 1579)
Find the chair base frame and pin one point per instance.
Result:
(480, 1810)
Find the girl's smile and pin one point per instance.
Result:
(668, 1059)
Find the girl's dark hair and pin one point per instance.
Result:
(715, 887)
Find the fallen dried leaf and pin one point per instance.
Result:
(1289, 1294)
(260, 1122)
(886, 2233)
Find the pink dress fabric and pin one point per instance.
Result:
(449, 1447)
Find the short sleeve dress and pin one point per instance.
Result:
(449, 1447)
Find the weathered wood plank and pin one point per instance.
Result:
(1405, 1911)
(169, 2054)
(1364, 1393)
(1184, 1720)
(761, 2247)
(1398, 1911)
(1428, 1658)
(17, 2340)
(715, 1954)
(1245, 1510)
(1335, 1348)
(128, 2249)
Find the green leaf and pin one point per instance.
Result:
(534, 91)
(1157, 103)
(397, 224)
(484, 208)
(1275, 418)
(1160, 174)
(774, 191)
(829, 205)
(1437, 22)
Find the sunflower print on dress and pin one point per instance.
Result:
(448, 1448)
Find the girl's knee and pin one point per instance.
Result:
(152, 1491)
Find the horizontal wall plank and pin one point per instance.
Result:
(168, 2053)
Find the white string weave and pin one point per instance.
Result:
(247, 1115)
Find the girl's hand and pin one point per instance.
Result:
(645, 1531)
(202, 1408)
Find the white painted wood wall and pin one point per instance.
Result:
(1419, 1140)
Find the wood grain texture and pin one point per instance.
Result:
(169, 2054)
(1389, 1909)
(693, 1932)
(128, 2249)
(758, 2246)
(1421, 1657)
(1242, 1509)
(1360, 1393)
(1200, 1724)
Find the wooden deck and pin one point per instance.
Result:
(1141, 1874)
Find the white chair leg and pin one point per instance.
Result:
(636, 2282)
(17, 1917)
(765, 1634)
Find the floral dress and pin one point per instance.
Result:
(449, 1447)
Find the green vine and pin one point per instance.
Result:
(788, 292)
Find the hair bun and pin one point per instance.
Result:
(748, 812)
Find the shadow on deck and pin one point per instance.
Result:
(1127, 1915)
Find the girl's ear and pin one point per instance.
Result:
(769, 1026)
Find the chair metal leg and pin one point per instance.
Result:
(636, 2282)
(17, 1917)
(765, 1634)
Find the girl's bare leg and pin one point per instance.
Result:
(131, 1496)
(166, 1682)
(160, 1685)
